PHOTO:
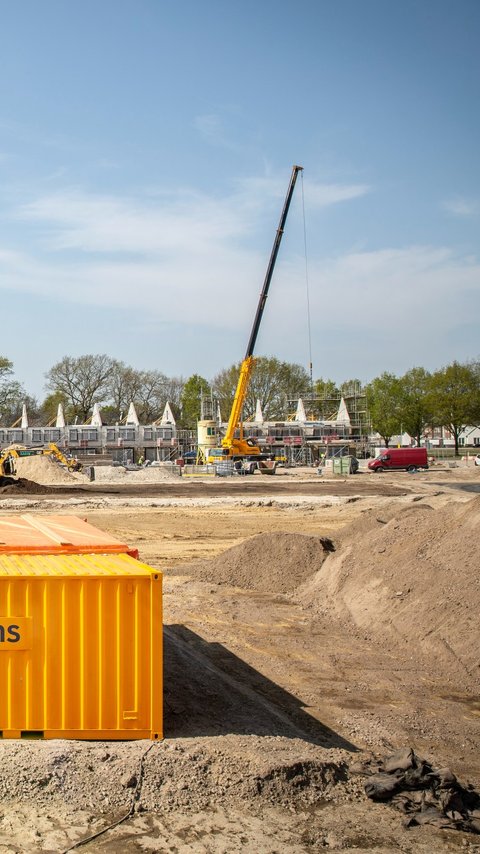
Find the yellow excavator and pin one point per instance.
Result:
(8, 456)
(238, 448)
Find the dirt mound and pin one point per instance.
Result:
(374, 519)
(412, 577)
(44, 470)
(17, 486)
(149, 474)
(269, 563)
(232, 771)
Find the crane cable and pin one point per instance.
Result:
(307, 289)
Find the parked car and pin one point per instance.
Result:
(477, 460)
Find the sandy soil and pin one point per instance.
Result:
(347, 626)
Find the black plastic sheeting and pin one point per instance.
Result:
(426, 795)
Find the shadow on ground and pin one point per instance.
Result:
(210, 691)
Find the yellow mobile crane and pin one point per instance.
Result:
(237, 448)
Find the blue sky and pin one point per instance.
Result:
(145, 151)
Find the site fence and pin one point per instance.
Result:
(198, 471)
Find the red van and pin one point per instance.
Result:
(410, 459)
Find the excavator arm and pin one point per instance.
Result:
(71, 463)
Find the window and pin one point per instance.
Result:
(36, 435)
(166, 433)
(127, 433)
(86, 436)
(73, 435)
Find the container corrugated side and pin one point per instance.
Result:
(47, 534)
(80, 647)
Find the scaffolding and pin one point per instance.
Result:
(325, 408)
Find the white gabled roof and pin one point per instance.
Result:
(96, 417)
(60, 422)
(342, 414)
(132, 417)
(300, 414)
(167, 417)
(258, 413)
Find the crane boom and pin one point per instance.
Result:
(271, 263)
(240, 446)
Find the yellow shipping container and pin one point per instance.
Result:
(80, 647)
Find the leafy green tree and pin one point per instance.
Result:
(384, 397)
(325, 388)
(416, 402)
(83, 381)
(327, 397)
(192, 392)
(350, 387)
(272, 382)
(455, 397)
(49, 409)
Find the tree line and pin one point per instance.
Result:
(412, 403)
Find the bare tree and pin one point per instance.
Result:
(83, 381)
(125, 387)
(151, 395)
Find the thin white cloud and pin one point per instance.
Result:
(381, 310)
(210, 127)
(322, 195)
(462, 207)
(317, 194)
(165, 223)
(406, 290)
(188, 255)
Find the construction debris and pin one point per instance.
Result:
(426, 795)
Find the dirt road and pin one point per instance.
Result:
(270, 698)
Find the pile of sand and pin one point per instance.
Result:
(411, 576)
(270, 563)
(45, 470)
(119, 474)
(407, 575)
